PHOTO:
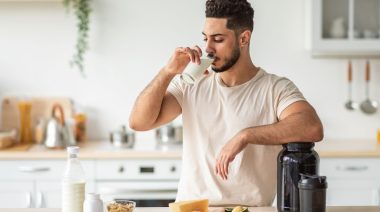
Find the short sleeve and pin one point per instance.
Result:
(285, 93)
(176, 88)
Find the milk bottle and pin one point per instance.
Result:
(73, 183)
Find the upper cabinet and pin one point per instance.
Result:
(348, 28)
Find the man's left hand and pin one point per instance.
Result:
(228, 154)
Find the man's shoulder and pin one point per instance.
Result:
(271, 78)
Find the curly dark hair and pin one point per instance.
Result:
(239, 13)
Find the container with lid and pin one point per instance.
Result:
(92, 203)
(294, 159)
(312, 193)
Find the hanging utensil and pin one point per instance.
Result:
(350, 105)
(368, 106)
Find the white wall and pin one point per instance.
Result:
(131, 39)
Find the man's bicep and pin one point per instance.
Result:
(297, 107)
(170, 109)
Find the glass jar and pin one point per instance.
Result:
(294, 159)
(25, 110)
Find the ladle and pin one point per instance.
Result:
(350, 105)
(368, 106)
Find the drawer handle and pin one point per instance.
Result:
(29, 169)
(28, 196)
(353, 168)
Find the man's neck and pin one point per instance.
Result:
(243, 71)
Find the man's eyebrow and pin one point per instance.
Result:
(213, 35)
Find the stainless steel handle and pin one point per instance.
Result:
(28, 196)
(39, 200)
(352, 168)
(30, 169)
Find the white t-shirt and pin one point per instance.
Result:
(212, 114)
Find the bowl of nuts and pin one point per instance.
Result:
(120, 206)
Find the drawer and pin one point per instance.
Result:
(39, 169)
(350, 167)
(138, 169)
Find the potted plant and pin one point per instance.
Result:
(82, 11)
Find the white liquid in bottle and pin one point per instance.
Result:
(73, 183)
(73, 196)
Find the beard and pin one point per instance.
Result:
(229, 61)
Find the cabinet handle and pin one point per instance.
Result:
(353, 168)
(145, 191)
(28, 196)
(29, 169)
(40, 199)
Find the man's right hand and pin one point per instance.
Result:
(181, 57)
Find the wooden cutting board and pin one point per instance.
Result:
(41, 108)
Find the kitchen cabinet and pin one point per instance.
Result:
(36, 183)
(352, 181)
(16, 194)
(347, 28)
(149, 182)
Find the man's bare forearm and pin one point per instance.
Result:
(148, 104)
(298, 127)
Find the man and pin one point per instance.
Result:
(234, 119)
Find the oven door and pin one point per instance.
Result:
(144, 193)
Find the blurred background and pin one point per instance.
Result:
(131, 40)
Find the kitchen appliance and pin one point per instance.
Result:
(293, 160)
(312, 192)
(169, 135)
(58, 133)
(123, 138)
(148, 182)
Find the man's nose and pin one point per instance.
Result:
(209, 49)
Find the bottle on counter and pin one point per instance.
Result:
(293, 160)
(73, 183)
(25, 110)
(39, 131)
(93, 203)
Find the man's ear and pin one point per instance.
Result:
(245, 37)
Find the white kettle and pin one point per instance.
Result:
(58, 132)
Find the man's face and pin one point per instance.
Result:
(222, 43)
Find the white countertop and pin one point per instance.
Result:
(149, 150)
(251, 209)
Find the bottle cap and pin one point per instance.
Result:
(312, 182)
(73, 150)
(93, 196)
(296, 146)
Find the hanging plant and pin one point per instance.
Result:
(82, 11)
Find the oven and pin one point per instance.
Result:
(150, 183)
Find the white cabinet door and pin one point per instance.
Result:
(353, 192)
(48, 194)
(343, 27)
(36, 183)
(352, 181)
(16, 194)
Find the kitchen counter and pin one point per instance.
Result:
(95, 150)
(348, 148)
(263, 209)
(148, 150)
